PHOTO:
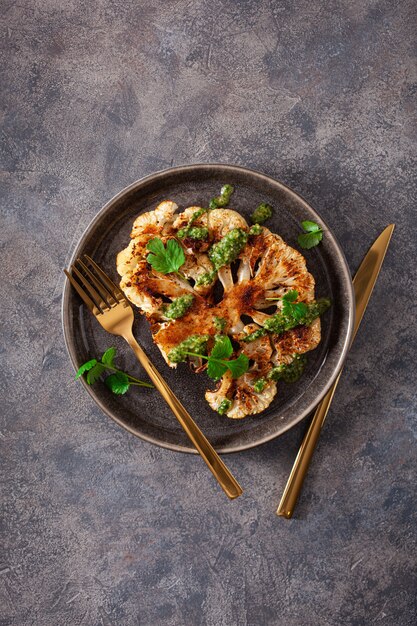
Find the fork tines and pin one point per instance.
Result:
(95, 288)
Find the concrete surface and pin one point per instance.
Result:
(100, 528)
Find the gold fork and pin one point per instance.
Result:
(113, 311)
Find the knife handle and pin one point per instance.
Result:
(305, 454)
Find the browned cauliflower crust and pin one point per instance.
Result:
(239, 294)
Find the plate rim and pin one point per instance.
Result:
(232, 169)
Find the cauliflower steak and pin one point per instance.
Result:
(235, 280)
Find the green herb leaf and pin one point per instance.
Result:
(108, 357)
(223, 348)
(85, 367)
(165, 259)
(292, 310)
(310, 240)
(239, 366)
(310, 227)
(290, 296)
(118, 383)
(216, 369)
(217, 362)
(299, 310)
(312, 236)
(95, 372)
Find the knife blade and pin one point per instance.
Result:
(363, 284)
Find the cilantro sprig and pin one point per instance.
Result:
(311, 237)
(166, 259)
(119, 382)
(219, 361)
(291, 309)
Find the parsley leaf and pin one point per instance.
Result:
(310, 227)
(165, 260)
(238, 366)
(310, 240)
(292, 309)
(94, 374)
(293, 314)
(290, 296)
(223, 348)
(108, 356)
(85, 367)
(118, 383)
(216, 369)
(218, 362)
(311, 237)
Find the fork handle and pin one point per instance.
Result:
(223, 476)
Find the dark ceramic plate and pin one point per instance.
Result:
(143, 412)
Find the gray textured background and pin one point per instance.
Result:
(99, 527)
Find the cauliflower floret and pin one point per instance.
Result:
(222, 221)
(281, 269)
(259, 350)
(196, 264)
(183, 218)
(295, 341)
(215, 398)
(246, 401)
(154, 221)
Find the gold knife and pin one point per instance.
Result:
(363, 283)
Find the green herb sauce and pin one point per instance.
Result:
(223, 199)
(289, 373)
(256, 229)
(197, 232)
(261, 213)
(206, 279)
(219, 324)
(224, 406)
(228, 248)
(185, 231)
(255, 335)
(280, 322)
(194, 343)
(178, 307)
(260, 385)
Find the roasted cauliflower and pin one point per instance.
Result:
(235, 280)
